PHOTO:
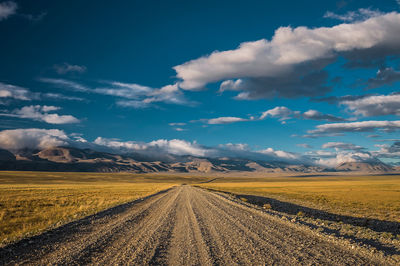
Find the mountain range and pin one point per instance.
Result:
(69, 159)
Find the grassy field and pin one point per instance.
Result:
(360, 196)
(31, 202)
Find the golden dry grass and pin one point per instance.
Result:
(360, 196)
(31, 202)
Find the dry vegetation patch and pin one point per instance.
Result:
(31, 202)
(375, 197)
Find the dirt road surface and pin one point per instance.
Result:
(184, 226)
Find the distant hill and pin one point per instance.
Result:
(365, 167)
(88, 160)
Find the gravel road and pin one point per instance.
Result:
(184, 226)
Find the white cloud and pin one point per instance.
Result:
(174, 146)
(364, 126)
(284, 113)
(316, 115)
(342, 146)
(292, 63)
(133, 104)
(177, 124)
(125, 90)
(9, 91)
(7, 9)
(41, 113)
(225, 120)
(347, 157)
(351, 16)
(235, 146)
(162, 147)
(281, 154)
(166, 94)
(16, 92)
(32, 138)
(58, 96)
(63, 83)
(386, 151)
(130, 94)
(375, 105)
(68, 68)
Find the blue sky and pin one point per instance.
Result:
(285, 76)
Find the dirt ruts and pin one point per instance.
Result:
(184, 226)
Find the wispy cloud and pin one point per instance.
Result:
(177, 124)
(225, 120)
(68, 84)
(352, 16)
(16, 92)
(7, 9)
(342, 146)
(129, 94)
(66, 68)
(13, 92)
(58, 96)
(304, 145)
(364, 126)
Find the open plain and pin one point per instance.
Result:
(185, 226)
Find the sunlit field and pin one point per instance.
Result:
(31, 202)
(360, 196)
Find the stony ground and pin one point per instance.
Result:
(187, 226)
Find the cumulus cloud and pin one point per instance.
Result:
(352, 16)
(7, 9)
(129, 94)
(42, 113)
(364, 126)
(384, 76)
(161, 148)
(32, 138)
(347, 157)
(174, 146)
(375, 105)
(281, 154)
(235, 146)
(284, 113)
(68, 68)
(343, 153)
(292, 63)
